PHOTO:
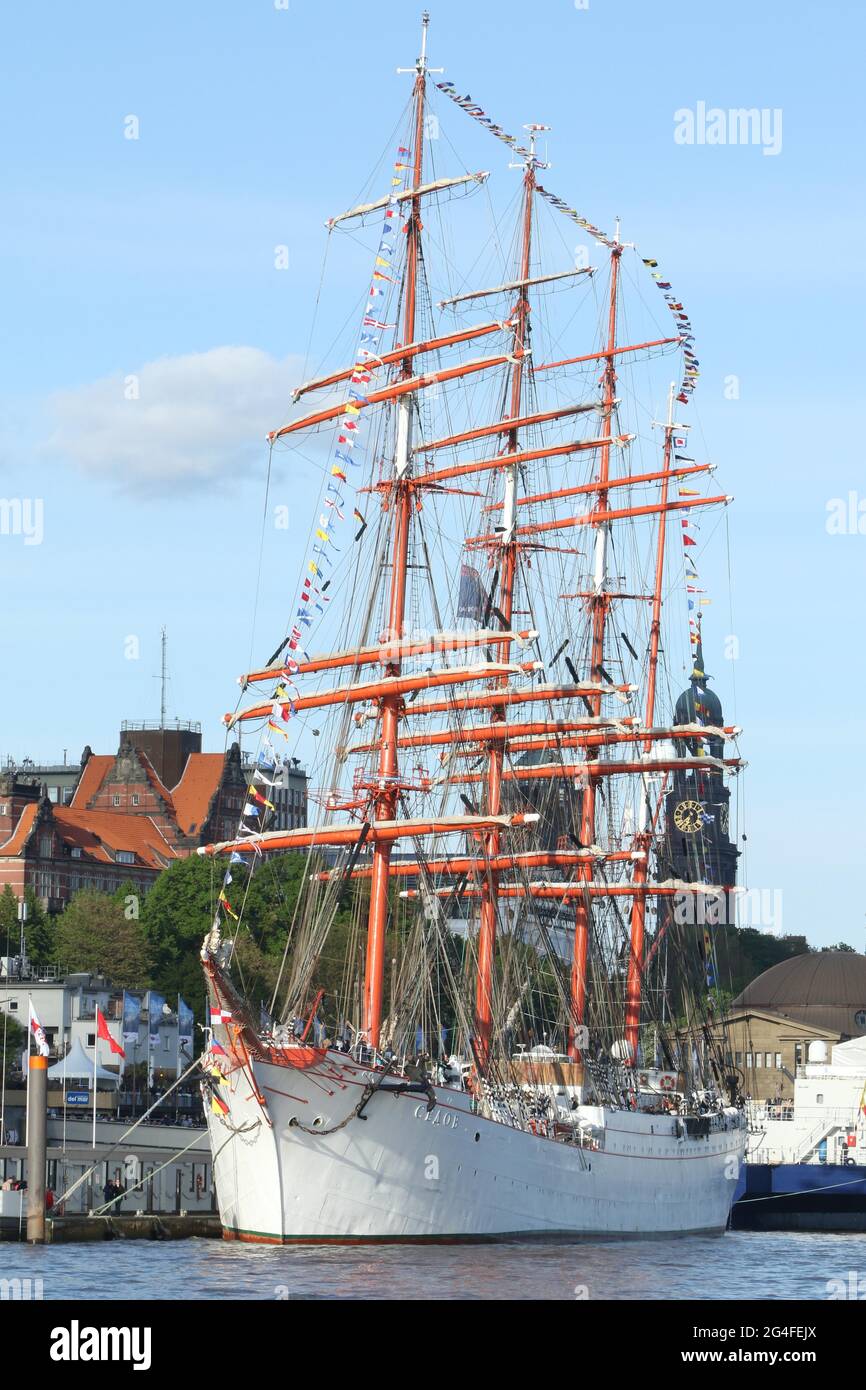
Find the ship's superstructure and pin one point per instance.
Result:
(805, 1165)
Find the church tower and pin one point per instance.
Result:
(696, 846)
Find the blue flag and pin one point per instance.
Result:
(155, 1015)
(131, 1017)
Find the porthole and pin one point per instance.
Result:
(477, 1137)
(860, 1018)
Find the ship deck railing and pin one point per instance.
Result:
(761, 1111)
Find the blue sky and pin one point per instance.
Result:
(255, 124)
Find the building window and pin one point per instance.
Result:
(45, 846)
(125, 856)
(738, 1059)
(819, 1099)
(748, 1059)
(116, 799)
(768, 1061)
(135, 798)
(778, 1061)
(4, 809)
(13, 1006)
(75, 852)
(798, 1054)
(91, 1039)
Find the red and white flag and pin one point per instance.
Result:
(38, 1032)
(102, 1032)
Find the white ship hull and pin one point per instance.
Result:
(402, 1173)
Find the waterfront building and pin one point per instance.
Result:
(66, 1008)
(123, 818)
(819, 997)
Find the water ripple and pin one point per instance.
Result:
(740, 1265)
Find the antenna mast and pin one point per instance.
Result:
(162, 686)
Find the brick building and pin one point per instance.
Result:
(816, 997)
(129, 815)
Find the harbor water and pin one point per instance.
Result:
(737, 1266)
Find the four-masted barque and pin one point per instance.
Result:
(494, 1013)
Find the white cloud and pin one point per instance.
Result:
(178, 421)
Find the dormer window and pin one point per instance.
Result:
(116, 799)
(135, 798)
(125, 856)
(75, 852)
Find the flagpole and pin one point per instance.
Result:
(3, 1085)
(95, 1046)
(3, 1081)
(27, 1097)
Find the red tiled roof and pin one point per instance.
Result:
(91, 779)
(98, 833)
(15, 843)
(196, 789)
(153, 778)
(96, 771)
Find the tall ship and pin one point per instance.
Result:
(494, 1016)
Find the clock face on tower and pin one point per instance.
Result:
(688, 816)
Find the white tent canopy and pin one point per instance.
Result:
(851, 1054)
(77, 1066)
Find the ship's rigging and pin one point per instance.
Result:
(487, 658)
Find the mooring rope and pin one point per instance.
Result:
(123, 1138)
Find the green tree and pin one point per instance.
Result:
(272, 895)
(179, 909)
(743, 953)
(39, 928)
(13, 1041)
(8, 921)
(94, 934)
(39, 932)
(175, 916)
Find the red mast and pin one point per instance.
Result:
(644, 836)
(508, 563)
(385, 804)
(599, 604)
